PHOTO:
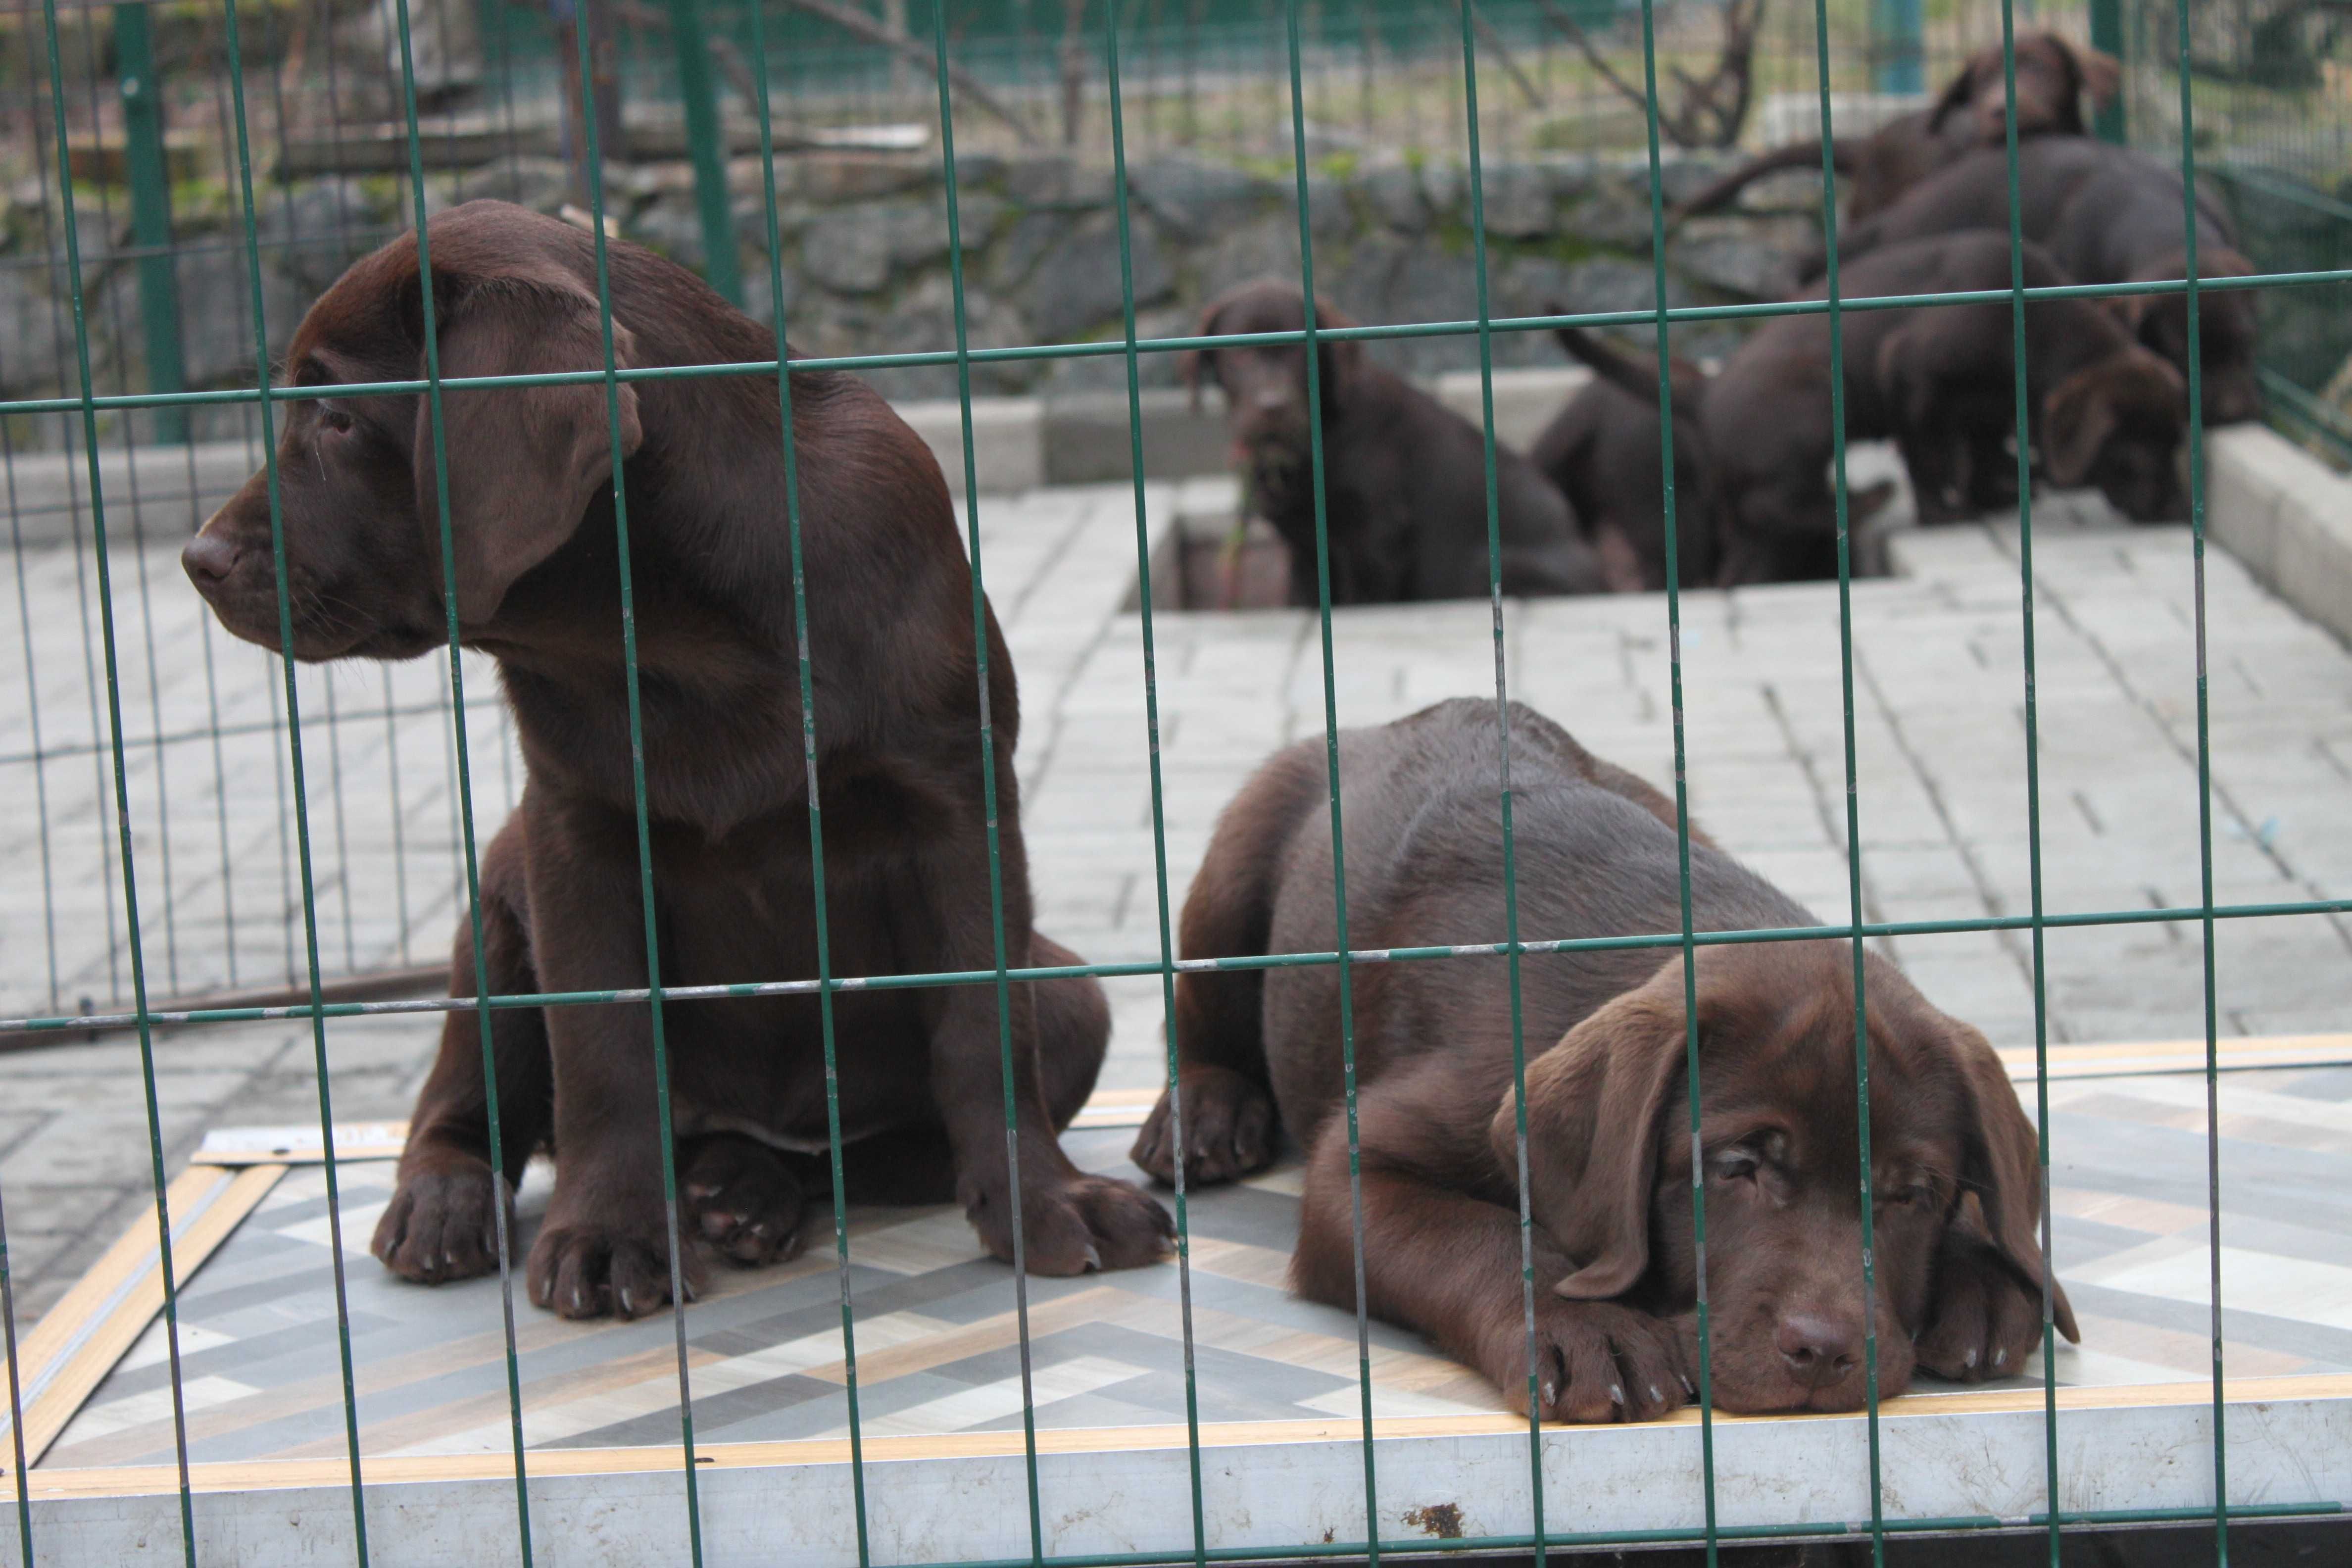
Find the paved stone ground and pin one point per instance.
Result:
(1938, 720)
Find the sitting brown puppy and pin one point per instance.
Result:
(2105, 215)
(532, 508)
(2055, 76)
(1941, 381)
(1404, 477)
(1954, 1174)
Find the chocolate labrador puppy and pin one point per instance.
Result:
(1941, 381)
(1954, 1174)
(2106, 214)
(897, 755)
(1404, 477)
(1602, 451)
(2055, 77)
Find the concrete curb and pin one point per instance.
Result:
(2288, 516)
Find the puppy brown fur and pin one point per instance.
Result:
(1604, 452)
(1954, 1171)
(1404, 477)
(2056, 77)
(2105, 215)
(1939, 379)
(532, 513)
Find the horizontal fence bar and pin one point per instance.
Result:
(931, 358)
(1137, 968)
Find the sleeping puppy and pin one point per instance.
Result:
(1938, 380)
(1404, 477)
(2055, 78)
(1954, 1175)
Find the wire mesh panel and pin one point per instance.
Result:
(201, 816)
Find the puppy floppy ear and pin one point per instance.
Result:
(1593, 1106)
(1961, 90)
(2098, 75)
(2000, 1173)
(2084, 410)
(1193, 364)
(524, 462)
(1341, 361)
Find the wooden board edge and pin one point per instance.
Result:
(94, 1349)
(548, 1463)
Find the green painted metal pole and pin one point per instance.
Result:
(2108, 33)
(1897, 46)
(706, 142)
(151, 214)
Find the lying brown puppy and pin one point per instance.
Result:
(1603, 451)
(2106, 214)
(1941, 381)
(907, 858)
(1404, 477)
(2055, 76)
(1954, 1174)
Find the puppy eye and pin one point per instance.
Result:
(1736, 1165)
(1912, 1195)
(334, 419)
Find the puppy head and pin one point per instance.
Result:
(1609, 1160)
(2225, 330)
(2053, 75)
(1266, 383)
(358, 488)
(2115, 426)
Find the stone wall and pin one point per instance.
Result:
(865, 258)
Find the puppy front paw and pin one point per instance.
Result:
(1074, 1224)
(1228, 1131)
(442, 1222)
(1985, 1324)
(1594, 1362)
(594, 1270)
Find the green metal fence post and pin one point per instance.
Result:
(2108, 33)
(704, 140)
(1896, 49)
(151, 213)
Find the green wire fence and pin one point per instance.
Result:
(331, 901)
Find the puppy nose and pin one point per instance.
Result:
(1818, 1351)
(209, 559)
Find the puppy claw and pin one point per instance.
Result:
(1093, 1259)
(1616, 1394)
(1655, 1397)
(1968, 1360)
(628, 1308)
(2001, 1356)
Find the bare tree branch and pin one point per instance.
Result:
(853, 21)
(1710, 111)
(1503, 57)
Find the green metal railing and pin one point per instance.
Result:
(89, 409)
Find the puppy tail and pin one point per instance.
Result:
(1795, 156)
(1607, 360)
